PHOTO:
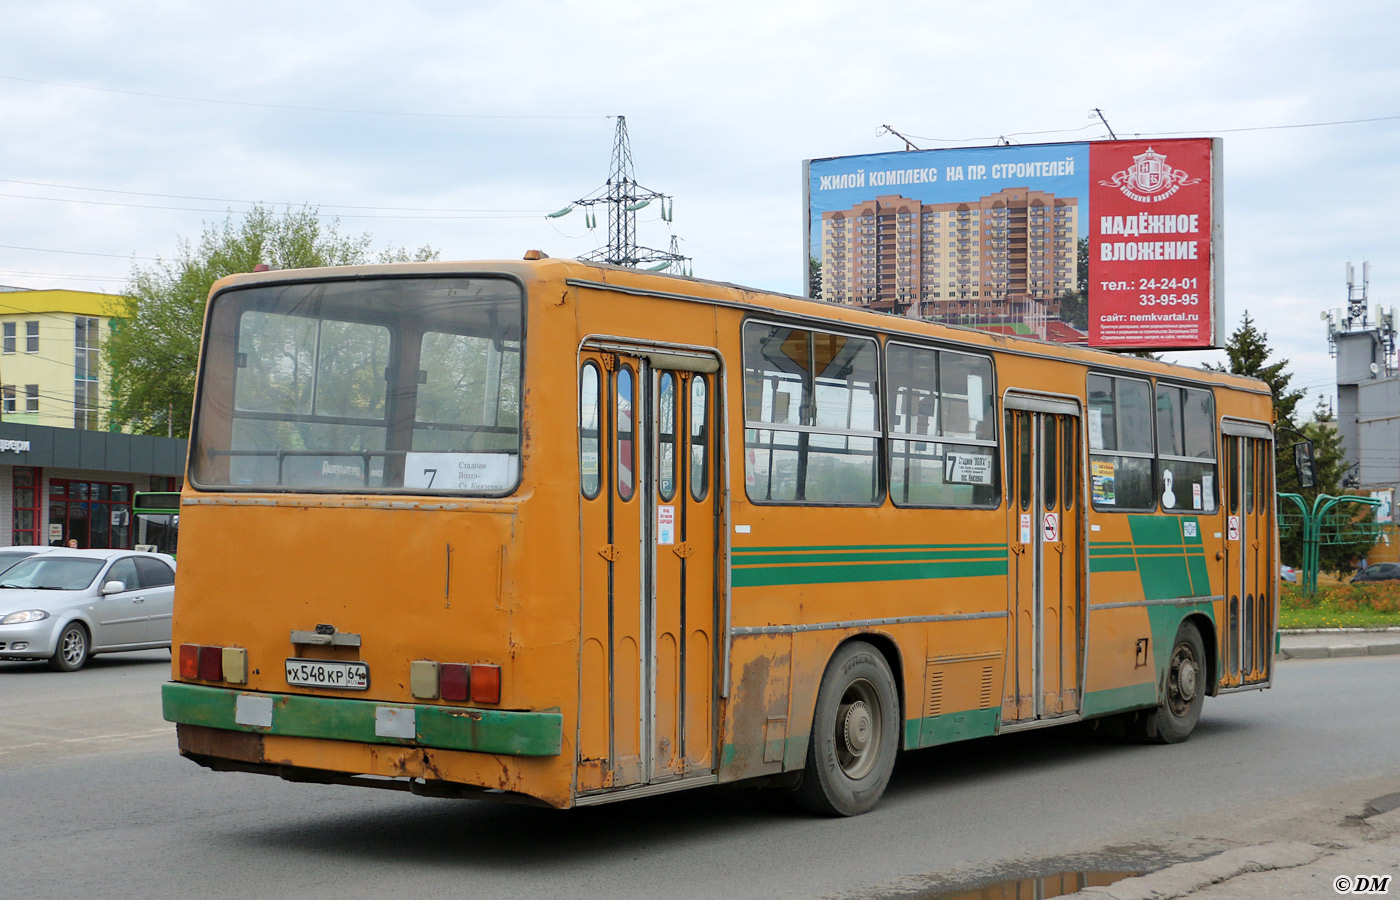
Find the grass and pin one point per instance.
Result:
(1368, 605)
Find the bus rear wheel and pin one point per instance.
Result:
(855, 734)
(1176, 718)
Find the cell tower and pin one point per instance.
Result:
(624, 198)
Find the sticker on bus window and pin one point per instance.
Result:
(1095, 428)
(665, 524)
(1102, 479)
(1208, 493)
(1195, 496)
(460, 471)
(967, 468)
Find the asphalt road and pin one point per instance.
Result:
(95, 802)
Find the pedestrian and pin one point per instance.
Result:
(72, 543)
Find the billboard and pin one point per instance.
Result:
(1023, 238)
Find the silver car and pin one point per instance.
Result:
(67, 605)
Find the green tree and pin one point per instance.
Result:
(153, 348)
(1248, 352)
(814, 278)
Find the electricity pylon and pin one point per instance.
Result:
(624, 197)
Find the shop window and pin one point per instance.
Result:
(25, 499)
(96, 514)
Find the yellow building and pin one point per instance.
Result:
(66, 474)
(50, 357)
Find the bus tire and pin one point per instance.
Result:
(1176, 718)
(855, 733)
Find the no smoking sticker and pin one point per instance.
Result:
(1050, 530)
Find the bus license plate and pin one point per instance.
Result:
(323, 673)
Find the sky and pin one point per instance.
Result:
(130, 126)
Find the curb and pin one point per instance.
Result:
(1337, 650)
(1187, 878)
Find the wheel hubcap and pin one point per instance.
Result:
(857, 727)
(857, 731)
(1185, 671)
(72, 647)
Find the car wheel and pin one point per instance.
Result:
(72, 652)
(855, 733)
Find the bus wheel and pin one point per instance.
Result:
(72, 650)
(1176, 718)
(855, 733)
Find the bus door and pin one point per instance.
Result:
(1250, 567)
(1046, 507)
(648, 525)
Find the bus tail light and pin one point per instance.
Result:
(211, 663)
(477, 682)
(486, 683)
(214, 663)
(189, 660)
(452, 681)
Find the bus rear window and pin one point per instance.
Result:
(404, 385)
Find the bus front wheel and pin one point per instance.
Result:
(1176, 718)
(855, 734)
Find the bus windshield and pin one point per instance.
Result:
(157, 515)
(398, 385)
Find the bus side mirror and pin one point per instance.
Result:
(1304, 464)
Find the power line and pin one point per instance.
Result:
(75, 187)
(1143, 134)
(320, 215)
(80, 252)
(322, 109)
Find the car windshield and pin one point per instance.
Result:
(52, 574)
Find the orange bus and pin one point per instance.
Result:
(551, 531)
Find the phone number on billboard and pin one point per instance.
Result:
(1168, 284)
(1169, 299)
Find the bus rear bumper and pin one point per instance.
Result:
(503, 732)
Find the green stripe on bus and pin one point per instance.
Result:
(847, 574)
(926, 556)
(1113, 564)
(863, 547)
(343, 719)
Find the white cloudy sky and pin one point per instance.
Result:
(127, 125)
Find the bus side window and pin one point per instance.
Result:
(1070, 462)
(1052, 456)
(1023, 439)
(666, 435)
(626, 477)
(588, 435)
(699, 437)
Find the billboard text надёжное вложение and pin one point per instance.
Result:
(936, 232)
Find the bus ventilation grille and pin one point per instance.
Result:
(935, 692)
(984, 700)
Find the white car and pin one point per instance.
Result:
(67, 605)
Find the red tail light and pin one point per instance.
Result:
(211, 663)
(189, 660)
(452, 681)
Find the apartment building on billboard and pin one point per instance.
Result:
(66, 472)
(1005, 256)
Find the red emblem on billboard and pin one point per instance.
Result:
(1149, 179)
